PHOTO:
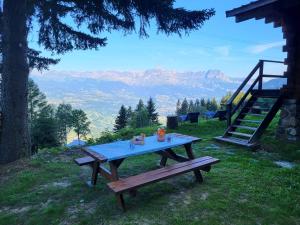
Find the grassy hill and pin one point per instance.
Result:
(245, 188)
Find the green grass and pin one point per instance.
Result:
(245, 188)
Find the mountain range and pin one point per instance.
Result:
(101, 93)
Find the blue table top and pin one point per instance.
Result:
(123, 149)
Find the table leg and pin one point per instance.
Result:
(114, 165)
(163, 161)
(170, 154)
(190, 154)
(118, 162)
(95, 172)
(114, 170)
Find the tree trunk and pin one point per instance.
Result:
(14, 139)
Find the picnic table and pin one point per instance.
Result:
(116, 152)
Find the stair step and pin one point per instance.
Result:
(257, 107)
(274, 98)
(253, 114)
(266, 93)
(274, 76)
(267, 96)
(258, 103)
(260, 108)
(250, 121)
(240, 134)
(236, 141)
(245, 127)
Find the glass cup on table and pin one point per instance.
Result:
(169, 138)
(131, 145)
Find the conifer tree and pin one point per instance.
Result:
(121, 120)
(184, 107)
(191, 106)
(141, 118)
(36, 101)
(140, 105)
(129, 115)
(152, 114)
(63, 116)
(43, 126)
(80, 123)
(203, 103)
(178, 107)
(63, 26)
(214, 105)
(44, 129)
(208, 104)
(197, 105)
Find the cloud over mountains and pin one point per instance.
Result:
(152, 77)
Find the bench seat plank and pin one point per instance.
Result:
(84, 161)
(140, 180)
(162, 170)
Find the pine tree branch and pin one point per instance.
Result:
(39, 62)
(65, 25)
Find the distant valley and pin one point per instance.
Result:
(102, 93)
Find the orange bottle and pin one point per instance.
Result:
(161, 134)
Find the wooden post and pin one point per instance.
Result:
(228, 114)
(261, 72)
(172, 122)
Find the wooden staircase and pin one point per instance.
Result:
(254, 112)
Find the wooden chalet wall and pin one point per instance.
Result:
(291, 30)
(285, 14)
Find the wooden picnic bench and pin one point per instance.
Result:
(84, 161)
(115, 153)
(132, 183)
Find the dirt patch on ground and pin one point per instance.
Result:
(15, 210)
(46, 204)
(243, 198)
(68, 155)
(87, 207)
(204, 196)
(285, 164)
(74, 211)
(62, 156)
(183, 197)
(64, 183)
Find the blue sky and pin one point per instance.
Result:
(233, 48)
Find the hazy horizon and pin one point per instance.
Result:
(101, 94)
